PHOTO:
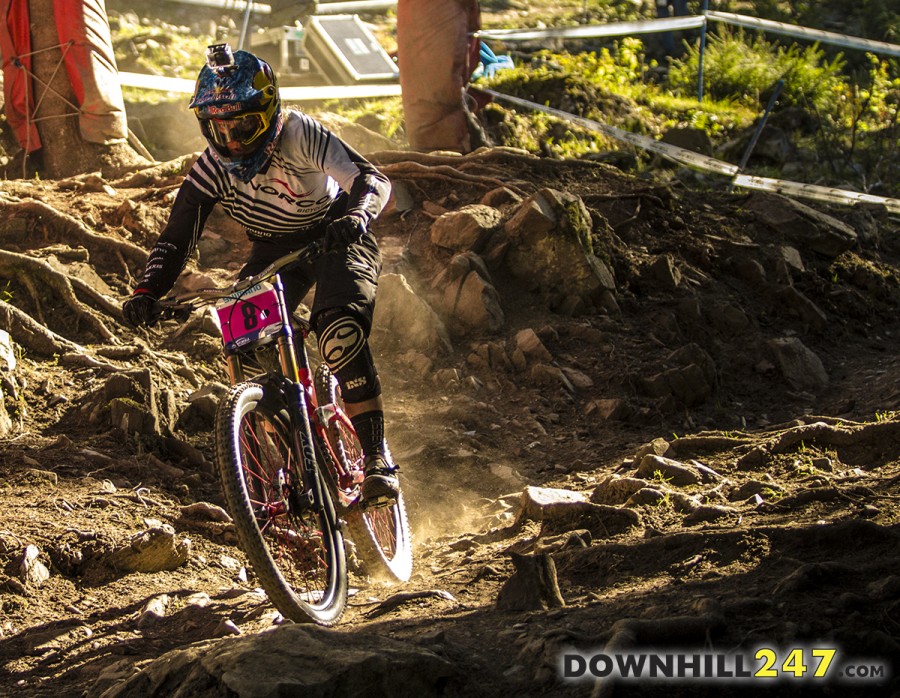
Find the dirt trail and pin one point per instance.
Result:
(788, 531)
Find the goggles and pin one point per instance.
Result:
(240, 130)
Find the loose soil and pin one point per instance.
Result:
(806, 555)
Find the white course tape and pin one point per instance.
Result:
(349, 8)
(814, 191)
(309, 93)
(671, 152)
(880, 47)
(157, 82)
(593, 30)
(702, 162)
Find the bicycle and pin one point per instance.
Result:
(288, 456)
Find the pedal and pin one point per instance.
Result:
(377, 503)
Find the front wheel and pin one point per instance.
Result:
(286, 523)
(381, 534)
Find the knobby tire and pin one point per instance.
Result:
(296, 551)
(382, 534)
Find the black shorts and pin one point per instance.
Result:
(347, 279)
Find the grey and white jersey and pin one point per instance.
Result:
(308, 171)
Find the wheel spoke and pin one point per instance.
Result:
(297, 554)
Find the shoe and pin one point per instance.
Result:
(381, 481)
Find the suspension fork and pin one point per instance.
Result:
(294, 362)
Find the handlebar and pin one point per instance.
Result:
(181, 306)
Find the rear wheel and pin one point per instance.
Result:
(381, 534)
(287, 529)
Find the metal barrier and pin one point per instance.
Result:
(709, 164)
(651, 26)
(687, 157)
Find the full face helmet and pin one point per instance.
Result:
(237, 103)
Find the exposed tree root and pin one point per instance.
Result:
(87, 360)
(447, 173)
(26, 331)
(158, 173)
(677, 630)
(14, 265)
(392, 602)
(829, 435)
(710, 442)
(499, 154)
(29, 333)
(66, 229)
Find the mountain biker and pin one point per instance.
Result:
(289, 181)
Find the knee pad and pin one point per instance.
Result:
(345, 349)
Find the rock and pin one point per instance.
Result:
(657, 447)
(601, 520)
(550, 246)
(418, 363)
(748, 269)
(226, 628)
(609, 409)
(154, 610)
(545, 374)
(754, 459)
(798, 305)
(31, 570)
(532, 587)
(205, 510)
(477, 305)
(687, 383)
(655, 496)
(153, 550)
(616, 490)
(468, 295)
(665, 272)
(646, 495)
(885, 588)
(577, 379)
(694, 139)
(803, 226)
(531, 346)
(569, 539)
(294, 660)
(200, 413)
(7, 352)
(467, 228)
(500, 197)
(728, 318)
(801, 368)
(536, 501)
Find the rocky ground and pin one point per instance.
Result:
(628, 415)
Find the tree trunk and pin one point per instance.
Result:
(64, 152)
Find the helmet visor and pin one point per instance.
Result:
(236, 134)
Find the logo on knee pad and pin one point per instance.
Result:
(356, 383)
(341, 341)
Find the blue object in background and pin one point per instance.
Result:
(491, 63)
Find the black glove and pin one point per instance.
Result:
(343, 232)
(141, 309)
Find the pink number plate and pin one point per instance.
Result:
(249, 316)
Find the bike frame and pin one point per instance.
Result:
(305, 413)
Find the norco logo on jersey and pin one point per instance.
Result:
(299, 202)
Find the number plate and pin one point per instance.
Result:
(248, 316)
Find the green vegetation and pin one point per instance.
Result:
(745, 69)
(840, 110)
(845, 122)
